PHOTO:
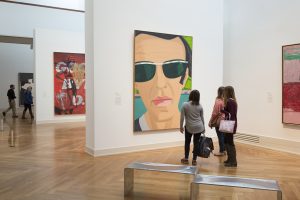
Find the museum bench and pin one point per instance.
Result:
(236, 182)
(148, 166)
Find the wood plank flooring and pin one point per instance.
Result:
(48, 162)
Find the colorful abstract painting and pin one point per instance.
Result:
(291, 84)
(162, 79)
(69, 83)
(25, 80)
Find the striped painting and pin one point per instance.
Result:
(291, 84)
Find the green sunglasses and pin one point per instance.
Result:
(145, 70)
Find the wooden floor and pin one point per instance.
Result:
(48, 162)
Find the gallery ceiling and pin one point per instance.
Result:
(65, 4)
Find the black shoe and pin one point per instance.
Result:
(229, 164)
(231, 161)
(15, 116)
(194, 162)
(226, 161)
(3, 113)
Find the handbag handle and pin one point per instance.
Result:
(203, 133)
(229, 115)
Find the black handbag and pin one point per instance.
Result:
(204, 147)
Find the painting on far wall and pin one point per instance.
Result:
(291, 84)
(69, 83)
(162, 79)
(25, 80)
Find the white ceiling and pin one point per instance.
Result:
(69, 4)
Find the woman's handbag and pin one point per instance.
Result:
(227, 125)
(204, 147)
(217, 120)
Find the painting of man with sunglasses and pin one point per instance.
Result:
(162, 73)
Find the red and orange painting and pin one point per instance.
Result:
(291, 84)
(69, 83)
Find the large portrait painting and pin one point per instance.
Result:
(162, 79)
(291, 84)
(25, 81)
(69, 83)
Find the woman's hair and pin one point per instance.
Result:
(220, 92)
(194, 97)
(228, 93)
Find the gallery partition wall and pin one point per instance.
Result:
(60, 76)
(16, 55)
(118, 78)
(257, 61)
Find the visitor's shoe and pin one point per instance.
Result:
(226, 161)
(229, 164)
(184, 161)
(220, 154)
(194, 162)
(3, 113)
(15, 116)
(231, 161)
(32, 117)
(23, 117)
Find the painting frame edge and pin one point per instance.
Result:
(146, 132)
(282, 84)
(53, 69)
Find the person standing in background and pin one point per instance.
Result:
(28, 102)
(11, 100)
(230, 111)
(215, 119)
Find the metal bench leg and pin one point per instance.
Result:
(1, 125)
(194, 191)
(279, 195)
(128, 181)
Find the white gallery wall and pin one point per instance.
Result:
(254, 33)
(110, 26)
(46, 42)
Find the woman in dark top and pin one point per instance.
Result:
(230, 111)
(27, 103)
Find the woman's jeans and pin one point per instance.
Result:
(221, 140)
(188, 138)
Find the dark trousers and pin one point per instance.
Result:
(221, 140)
(231, 151)
(228, 139)
(27, 106)
(188, 138)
